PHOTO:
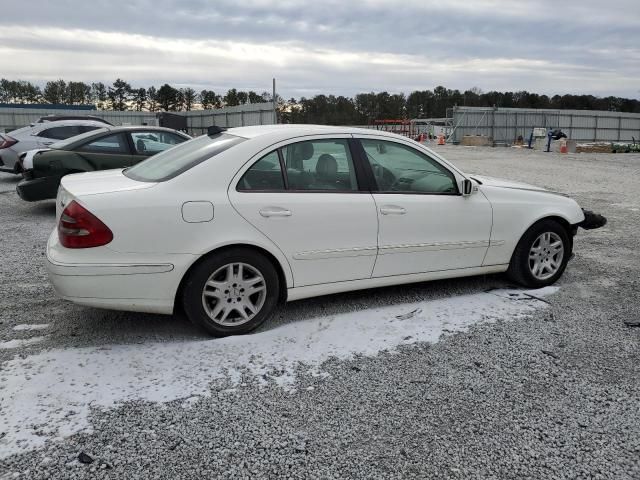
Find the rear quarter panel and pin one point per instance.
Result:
(149, 222)
(57, 162)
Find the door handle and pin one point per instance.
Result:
(275, 212)
(392, 210)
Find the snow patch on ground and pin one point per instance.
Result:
(49, 395)
(20, 342)
(29, 327)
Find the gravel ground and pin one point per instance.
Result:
(553, 395)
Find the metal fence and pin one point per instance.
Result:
(253, 114)
(197, 120)
(505, 125)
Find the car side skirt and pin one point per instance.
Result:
(309, 291)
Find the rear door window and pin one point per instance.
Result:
(264, 175)
(320, 165)
(111, 144)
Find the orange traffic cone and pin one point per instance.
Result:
(563, 146)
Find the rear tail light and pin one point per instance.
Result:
(6, 141)
(79, 228)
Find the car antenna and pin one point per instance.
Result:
(214, 130)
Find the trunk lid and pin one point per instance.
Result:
(104, 181)
(78, 185)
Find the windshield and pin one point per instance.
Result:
(63, 144)
(181, 158)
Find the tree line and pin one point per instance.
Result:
(361, 109)
(121, 96)
(364, 108)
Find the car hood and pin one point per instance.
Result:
(103, 181)
(499, 182)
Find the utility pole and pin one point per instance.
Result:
(273, 99)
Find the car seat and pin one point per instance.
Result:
(326, 172)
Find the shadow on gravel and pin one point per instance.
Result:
(83, 326)
(45, 208)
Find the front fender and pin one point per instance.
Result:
(515, 211)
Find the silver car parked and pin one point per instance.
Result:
(39, 135)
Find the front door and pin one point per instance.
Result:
(304, 196)
(425, 225)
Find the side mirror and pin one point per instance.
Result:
(467, 187)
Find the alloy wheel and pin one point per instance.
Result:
(545, 255)
(234, 294)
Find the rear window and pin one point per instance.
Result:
(179, 159)
(63, 144)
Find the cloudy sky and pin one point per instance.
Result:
(340, 47)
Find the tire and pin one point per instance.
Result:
(531, 250)
(226, 284)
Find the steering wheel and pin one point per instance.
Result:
(383, 176)
(401, 184)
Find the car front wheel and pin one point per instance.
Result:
(541, 255)
(232, 292)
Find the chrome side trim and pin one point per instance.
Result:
(336, 253)
(496, 243)
(425, 247)
(298, 293)
(98, 269)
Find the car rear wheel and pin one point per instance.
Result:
(232, 292)
(541, 255)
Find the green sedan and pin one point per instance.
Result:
(102, 149)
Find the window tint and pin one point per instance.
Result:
(400, 168)
(173, 162)
(62, 133)
(152, 142)
(87, 128)
(265, 174)
(320, 165)
(114, 144)
(79, 139)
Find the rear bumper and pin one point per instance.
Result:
(139, 287)
(34, 189)
(9, 161)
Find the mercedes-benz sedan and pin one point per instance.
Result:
(231, 223)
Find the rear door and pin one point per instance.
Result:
(104, 153)
(305, 196)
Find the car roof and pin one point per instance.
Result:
(53, 118)
(73, 142)
(128, 128)
(38, 127)
(284, 131)
(60, 123)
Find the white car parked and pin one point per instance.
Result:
(228, 224)
(39, 135)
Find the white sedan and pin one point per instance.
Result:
(231, 223)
